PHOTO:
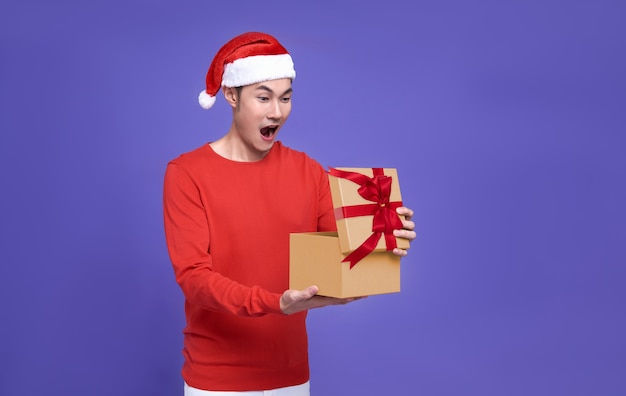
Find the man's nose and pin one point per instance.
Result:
(275, 111)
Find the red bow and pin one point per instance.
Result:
(376, 189)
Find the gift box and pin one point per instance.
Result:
(357, 259)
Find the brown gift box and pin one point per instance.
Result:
(315, 258)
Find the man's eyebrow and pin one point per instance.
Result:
(268, 89)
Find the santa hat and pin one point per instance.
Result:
(247, 59)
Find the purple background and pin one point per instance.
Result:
(505, 119)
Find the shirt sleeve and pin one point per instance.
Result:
(326, 215)
(188, 243)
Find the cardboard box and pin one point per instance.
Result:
(315, 258)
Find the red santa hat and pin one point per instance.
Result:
(247, 59)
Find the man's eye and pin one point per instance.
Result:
(263, 98)
(286, 100)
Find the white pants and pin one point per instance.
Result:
(297, 390)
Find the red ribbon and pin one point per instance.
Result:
(376, 189)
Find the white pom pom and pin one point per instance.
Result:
(206, 101)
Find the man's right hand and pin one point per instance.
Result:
(293, 301)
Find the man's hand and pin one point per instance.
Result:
(407, 231)
(293, 301)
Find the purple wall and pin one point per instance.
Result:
(506, 121)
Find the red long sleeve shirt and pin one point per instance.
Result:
(227, 226)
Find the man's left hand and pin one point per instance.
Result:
(407, 231)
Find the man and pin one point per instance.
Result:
(229, 207)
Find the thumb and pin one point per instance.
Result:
(310, 292)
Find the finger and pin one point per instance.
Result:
(408, 225)
(308, 293)
(400, 252)
(406, 212)
(340, 301)
(312, 289)
(405, 234)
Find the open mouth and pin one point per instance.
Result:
(269, 131)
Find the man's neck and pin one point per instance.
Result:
(235, 150)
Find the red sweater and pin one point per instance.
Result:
(227, 227)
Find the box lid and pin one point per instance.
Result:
(365, 202)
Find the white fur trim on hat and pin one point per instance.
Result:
(206, 101)
(255, 69)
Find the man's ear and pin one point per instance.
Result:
(230, 94)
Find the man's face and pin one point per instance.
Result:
(260, 110)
